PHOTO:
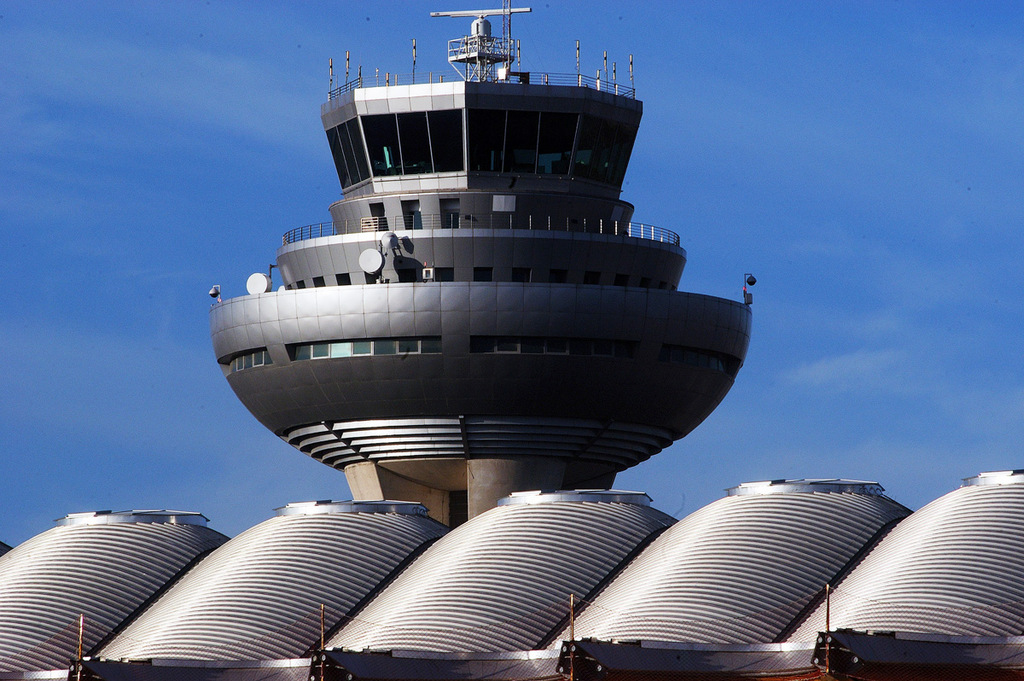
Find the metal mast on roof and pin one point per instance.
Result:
(480, 52)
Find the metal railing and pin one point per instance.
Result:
(418, 221)
(387, 79)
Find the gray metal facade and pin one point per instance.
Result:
(740, 569)
(954, 567)
(501, 582)
(103, 565)
(258, 597)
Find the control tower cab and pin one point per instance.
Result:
(482, 315)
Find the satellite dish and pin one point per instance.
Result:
(371, 261)
(258, 283)
(389, 241)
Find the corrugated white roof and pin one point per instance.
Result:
(740, 569)
(259, 595)
(502, 581)
(103, 570)
(955, 567)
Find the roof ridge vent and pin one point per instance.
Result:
(577, 495)
(995, 478)
(353, 506)
(805, 485)
(108, 517)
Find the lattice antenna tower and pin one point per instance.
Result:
(475, 56)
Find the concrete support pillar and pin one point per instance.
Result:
(488, 480)
(369, 482)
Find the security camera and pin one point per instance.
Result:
(215, 292)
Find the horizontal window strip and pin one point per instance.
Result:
(680, 354)
(426, 345)
(596, 347)
(256, 358)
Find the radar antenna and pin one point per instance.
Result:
(479, 52)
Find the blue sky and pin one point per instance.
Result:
(863, 159)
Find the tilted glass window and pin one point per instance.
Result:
(446, 140)
(554, 148)
(486, 139)
(356, 138)
(412, 131)
(521, 142)
(347, 151)
(590, 131)
(603, 150)
(382, 144)
(334, 140)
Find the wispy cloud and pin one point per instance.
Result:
(860, 371)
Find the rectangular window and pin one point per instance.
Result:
(532, 346)
(444, 274)
(384, 347)
(303, 352)
(557, 346)
(481, 344)
(321, 350)
(344, 279)
(622, 280)
(406, 274)
(406, 345)
(580, 346)
(318, 282)
(342, 349)
(558, 276)
(624, 349)
(506, 344)
(431, 345)
(605, 348)
(361, 347)
(591, 277)
(483, 274)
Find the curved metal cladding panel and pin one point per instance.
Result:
(955, 567)
(738, 570)
(259, 595)
(94, 565)
(641, 389)
(501, 582)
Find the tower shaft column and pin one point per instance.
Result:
(491, 479)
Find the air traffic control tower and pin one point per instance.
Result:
(482, 315)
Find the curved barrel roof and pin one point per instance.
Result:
(501, 582)
(740, 569)
(954, 568)
(259, 595)
(103, 565)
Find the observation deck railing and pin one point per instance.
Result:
(419, 221)
(387, 79)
